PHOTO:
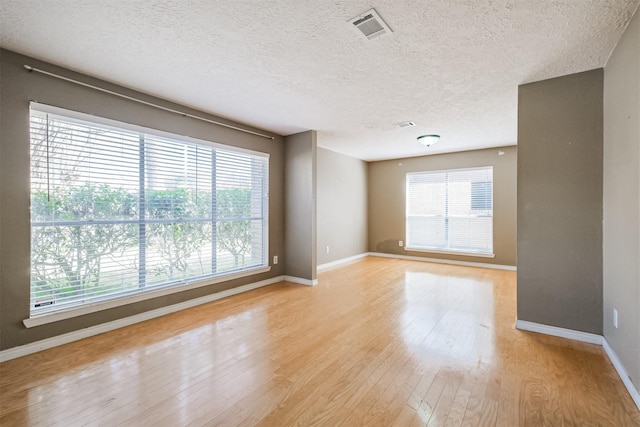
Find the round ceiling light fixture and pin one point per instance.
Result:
(428, 140)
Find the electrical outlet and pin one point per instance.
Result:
(615, 318)
(275, 259)
(326, 249)
(400, 243)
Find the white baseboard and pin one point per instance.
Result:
(300, 280)
(613, 357)
(342, 261)
(446, 261)
(559, 332)
(589, 338)
(34, 347)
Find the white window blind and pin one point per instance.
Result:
(450, 211)
(115, 211)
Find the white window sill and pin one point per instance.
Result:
(45, 318)
(435, 251)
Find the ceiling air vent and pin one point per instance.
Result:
(405, 124)
(370, 25)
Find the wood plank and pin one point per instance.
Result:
(377, 342)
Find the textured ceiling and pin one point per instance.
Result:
(450, 66)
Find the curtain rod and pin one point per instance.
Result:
(140, 101)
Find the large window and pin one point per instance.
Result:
(117, 211)
(450, 211)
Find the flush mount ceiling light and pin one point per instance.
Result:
(428, 140)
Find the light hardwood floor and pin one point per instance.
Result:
(378, 342)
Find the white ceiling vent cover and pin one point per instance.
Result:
(370, 25)
(405, 124)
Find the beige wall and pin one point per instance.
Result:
(301, 205)
(621, 234)
(342, 206)
(386, 190)
(17, 88)
(560, 202)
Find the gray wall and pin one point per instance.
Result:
(621, 230)
(560, 202)
(342, 206)
(300, 205)
(387, 180)
(17, 88)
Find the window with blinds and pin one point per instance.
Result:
(450, 211)
(118, 211)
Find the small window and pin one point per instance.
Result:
(118, 210)
(450, 211)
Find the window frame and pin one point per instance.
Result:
(95, 304)
(438, 250)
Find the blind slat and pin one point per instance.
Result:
(450, 210)
(116, 212)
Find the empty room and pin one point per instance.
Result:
(336, 213)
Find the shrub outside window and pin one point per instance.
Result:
(119, 210)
